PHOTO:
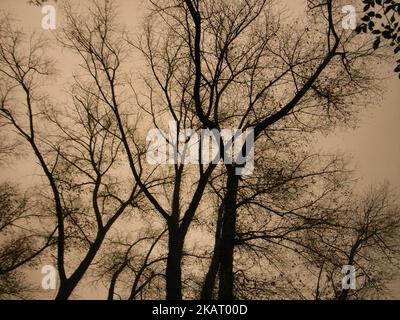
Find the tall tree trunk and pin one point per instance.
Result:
(114, 278)
(209, 281)
(174, 259)
(228, 237)
(65, 290)
(69, 284)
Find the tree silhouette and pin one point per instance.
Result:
(241, 55)
(187, 228)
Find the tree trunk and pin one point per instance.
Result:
(174, 259)
(209, 281)
(65, 290)
(343, 294)
(68, 285)
(114, 278)
(228, 237)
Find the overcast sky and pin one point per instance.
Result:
(374, 146)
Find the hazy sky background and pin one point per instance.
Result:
(374, 146)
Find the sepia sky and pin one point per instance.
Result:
(374, 146)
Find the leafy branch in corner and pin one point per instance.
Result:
(382, 19)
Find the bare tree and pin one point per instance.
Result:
(280, 200)
(97, 40)
(361, 233)
(244, 57)
(207, 65)
(76, 158)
